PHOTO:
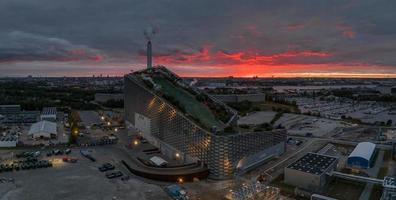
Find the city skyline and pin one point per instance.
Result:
(199, 39)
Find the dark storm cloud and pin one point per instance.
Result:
(349, 31)
(18, 46)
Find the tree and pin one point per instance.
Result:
(74, 119)
(382, 123)
(389, 122)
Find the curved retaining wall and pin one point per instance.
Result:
(168, 174)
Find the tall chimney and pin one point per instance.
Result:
(149, 55)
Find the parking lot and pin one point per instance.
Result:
(21, 130)
(304, 125)
(366, 111)
(89, 118)
(81, 180)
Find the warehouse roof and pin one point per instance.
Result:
(158, 161)
(364, 150)
(49, 111)
(8, 138)
(10, 106)
(313, 163)
(43, 126)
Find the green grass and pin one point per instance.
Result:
(192, 106)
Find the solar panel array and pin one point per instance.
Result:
(313, 163)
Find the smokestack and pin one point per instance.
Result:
(149, 34)
(149, 55)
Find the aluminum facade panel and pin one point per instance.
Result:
(220, 153)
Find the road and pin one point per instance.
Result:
(345, 142)
(307, 144)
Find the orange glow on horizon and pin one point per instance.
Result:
(294, 70)
(250, 63)
(298, 75)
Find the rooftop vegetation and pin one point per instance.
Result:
(194, 103)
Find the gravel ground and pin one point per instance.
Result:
(257, 118)
(302, 124)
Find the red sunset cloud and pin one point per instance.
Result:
(248, 57)
(239, 63)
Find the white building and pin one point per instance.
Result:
(48, 114)
(8, 141)
(362, 156)
(158, 161)
(43, 130)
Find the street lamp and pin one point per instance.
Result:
(180, 180)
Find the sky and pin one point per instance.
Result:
(204, 38)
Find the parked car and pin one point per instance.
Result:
(69, 160)
(106, 167)
(30, 159)
(37, 154)
(67, 151)
(58, 152)
(115, 174)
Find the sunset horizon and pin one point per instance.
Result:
(265, 39)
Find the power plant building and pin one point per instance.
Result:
(310, 171)
(182, 120)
